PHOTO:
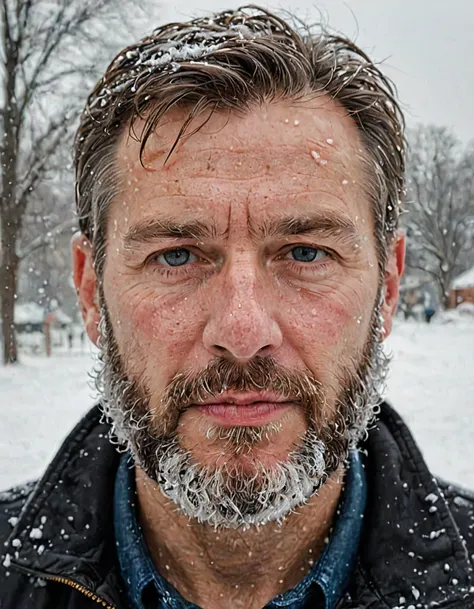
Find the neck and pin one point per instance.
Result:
(227, 568)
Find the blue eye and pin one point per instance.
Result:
(177, 257)
(304, 253)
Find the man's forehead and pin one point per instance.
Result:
(278, 155)
(320, 124)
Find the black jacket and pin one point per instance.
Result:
(416, 551)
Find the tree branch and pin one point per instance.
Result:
(39, 163)
(46, 238)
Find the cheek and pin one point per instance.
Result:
(160, 329)
(329, 325)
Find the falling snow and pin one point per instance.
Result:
(36, 533)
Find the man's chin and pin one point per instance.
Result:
(217, 482)
(244, 447)
(249, 462)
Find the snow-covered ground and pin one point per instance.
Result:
(431, 384)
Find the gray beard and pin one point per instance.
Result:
(226, 495)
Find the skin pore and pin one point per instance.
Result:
(269, 213)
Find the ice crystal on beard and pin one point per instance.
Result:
(270, 495)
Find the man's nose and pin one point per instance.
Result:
(241, 324)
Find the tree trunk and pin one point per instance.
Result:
(444, 285)
(8, 278)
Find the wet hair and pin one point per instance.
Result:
(230, 62)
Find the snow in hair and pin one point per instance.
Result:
(232, 61)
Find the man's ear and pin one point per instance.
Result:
(391, 288)
(85, 280)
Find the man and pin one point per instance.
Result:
(238, 192)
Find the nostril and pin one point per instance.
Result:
(219, 349)
(266, 350)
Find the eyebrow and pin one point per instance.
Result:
(326, 223)
(149, 231)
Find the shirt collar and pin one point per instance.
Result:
(330, 574)
(136, 565)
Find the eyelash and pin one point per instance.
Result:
(297, 267)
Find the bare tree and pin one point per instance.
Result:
(44, 272)
(50, 53)
(440, 218)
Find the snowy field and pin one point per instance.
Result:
(431, 384)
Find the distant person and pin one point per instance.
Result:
(83, 338)
(239, 186)
(70, 338)
(428, 308)
(411, 299)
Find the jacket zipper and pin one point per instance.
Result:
(81, 589)
(69, 583)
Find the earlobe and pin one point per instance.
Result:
(391, 288)
(85, 280)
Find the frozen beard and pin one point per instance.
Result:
(226, 495)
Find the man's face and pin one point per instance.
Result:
(254, 243)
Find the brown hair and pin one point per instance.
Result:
(232, 61)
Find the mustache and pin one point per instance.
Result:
(260, 374)
(220, 375)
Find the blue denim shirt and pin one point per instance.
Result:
(322, 587)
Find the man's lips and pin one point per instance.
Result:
(245, 409)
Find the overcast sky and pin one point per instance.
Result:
(428, 47)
